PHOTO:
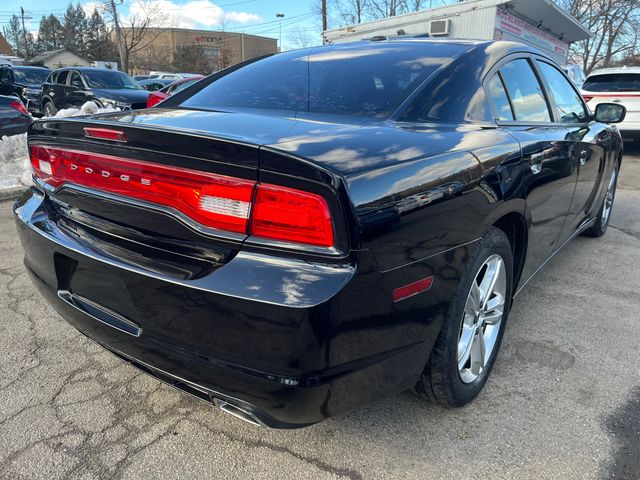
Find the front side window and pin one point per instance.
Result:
(76, 81)
(565, 96)
(525, 92)
(5, 75)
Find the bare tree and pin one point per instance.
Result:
(351, 12)
(138, 31)
(301, 38)
(614, 25)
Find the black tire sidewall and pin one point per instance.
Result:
(599, 228)
(53, 109)
(447, 386)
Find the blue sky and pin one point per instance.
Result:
(251, 16)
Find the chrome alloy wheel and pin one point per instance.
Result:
(483, 312)
(608, 200)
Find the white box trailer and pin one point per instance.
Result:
(539, 23)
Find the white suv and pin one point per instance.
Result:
(617, 85)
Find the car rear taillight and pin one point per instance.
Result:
(216, 201)
(17, 105)
(291, 215)
(587, 98)
(155, 97)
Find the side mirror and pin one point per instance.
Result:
(610, 113)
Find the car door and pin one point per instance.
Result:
(75, 92)
(521, 107)
(589, 156)
(59, 89)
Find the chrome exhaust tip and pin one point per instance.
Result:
(238, 412)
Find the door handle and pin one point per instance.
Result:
(584, 154)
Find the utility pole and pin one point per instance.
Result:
(324, 15)
(324, 18)
(24, 35)
(124, 64)
(280, 16)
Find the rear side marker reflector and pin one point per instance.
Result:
(412, 289)
(217, 201)
(105, 134)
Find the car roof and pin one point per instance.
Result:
(604, 71)
(502, 46)
(88, 69)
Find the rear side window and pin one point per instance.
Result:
(499, 96)
(613, 82)
(356, 79)
(62, 77)
(566, 98)
(525, 92)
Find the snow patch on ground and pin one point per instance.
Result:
(15, 168)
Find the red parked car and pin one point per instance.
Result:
(159, 95)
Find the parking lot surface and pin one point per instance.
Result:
(563, 401)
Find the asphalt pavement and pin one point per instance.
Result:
(563, 401)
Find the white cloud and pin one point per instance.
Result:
(89, 7)
(192, 14)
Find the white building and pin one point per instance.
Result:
(59, 59)
(539, 23)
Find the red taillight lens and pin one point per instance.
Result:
(587, 98)
(155, 97)
(291, 215)
(216, 201)
(105, 134)
(16, 104)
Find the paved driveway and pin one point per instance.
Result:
(563, 401)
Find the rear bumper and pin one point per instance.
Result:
(289, 341)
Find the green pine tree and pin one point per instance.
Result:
(75, 28)
(50, 34)
(22, 42)
(98, 43)
(192, 59)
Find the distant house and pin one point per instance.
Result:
(5, 48)
(59, 58)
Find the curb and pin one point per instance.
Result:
(11, 193)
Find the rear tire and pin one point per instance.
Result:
(468, 344)
(49, 110)
(599, 228)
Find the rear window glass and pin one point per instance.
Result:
(500, 99)
(366, 79)
(613, 82)
(62, 77)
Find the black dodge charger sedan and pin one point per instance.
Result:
(308, 232)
